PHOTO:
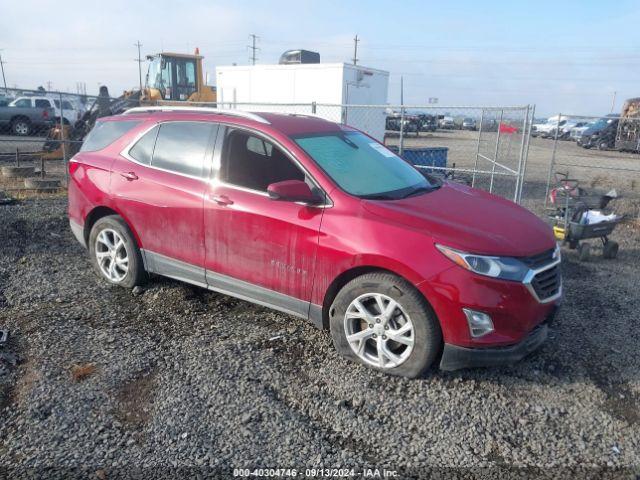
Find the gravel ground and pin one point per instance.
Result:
(178, 380)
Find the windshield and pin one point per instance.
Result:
(363, 167)
(603, 122)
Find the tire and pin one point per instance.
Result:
(412, 309)
(610, 250)
(111, 225)
(21, 127)
(584, 252)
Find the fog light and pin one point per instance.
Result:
(479, 323)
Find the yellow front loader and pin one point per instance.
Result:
(172, 79)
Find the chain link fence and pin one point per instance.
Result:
(32, 125)
(600, 152)
(482, 146)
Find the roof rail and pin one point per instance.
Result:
(220, 111)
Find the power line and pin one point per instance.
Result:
(3, 77)
(613, 103)
(253, 48)
(139, 60)
(355, 49)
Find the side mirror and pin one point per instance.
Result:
(293, 191)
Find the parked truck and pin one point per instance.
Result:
(27, 120)
(628, 133)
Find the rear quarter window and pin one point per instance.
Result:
(105, 133)
(142, 151)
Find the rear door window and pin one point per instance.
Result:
(182, 147)
(105, 133)
(42, 104)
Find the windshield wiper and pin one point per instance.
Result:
(418, 190)
(378, 196)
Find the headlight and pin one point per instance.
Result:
(505, 268)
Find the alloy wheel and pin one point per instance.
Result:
(379, 331)
(112, 255)
(21, 128)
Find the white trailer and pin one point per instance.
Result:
(339, 84)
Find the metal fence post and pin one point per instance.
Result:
(519, 175)
(475, 163)
(495, 156)
(526, 151)
(401, 140)
(17, 157)
(314, 106)
(552, 162)
(62, 143)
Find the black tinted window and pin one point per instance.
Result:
(42, 103)
(105, 133)
(251, 162)
(182, 146)
(142, 151)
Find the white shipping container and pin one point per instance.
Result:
(322, 83)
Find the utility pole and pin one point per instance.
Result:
(48, 85)
(253, 48)
(401, 90)
(139, 60)
(355, 50)
(4, 80)
(613, 103)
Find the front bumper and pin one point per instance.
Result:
(455, 357)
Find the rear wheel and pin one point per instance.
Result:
(114, 253)
(21, 126)
(383, 322)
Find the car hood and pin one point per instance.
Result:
(470, 220)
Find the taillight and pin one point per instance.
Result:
(45, 114)
(73, 166)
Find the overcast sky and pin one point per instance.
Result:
(568, 56)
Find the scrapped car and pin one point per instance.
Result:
(565, 131)
(600, 135)
(428, 123)
(576, 132)
(469, 124)
(447, 123)
(65, 110)
(24, 117)
(320, 221)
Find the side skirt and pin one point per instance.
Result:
(178, 270)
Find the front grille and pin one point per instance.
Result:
(547, 283)
(539, 260)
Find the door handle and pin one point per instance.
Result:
(130, 176)
(222, 200)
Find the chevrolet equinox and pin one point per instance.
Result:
(318, 220)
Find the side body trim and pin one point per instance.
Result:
(172, 268)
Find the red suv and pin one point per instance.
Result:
(320, 221)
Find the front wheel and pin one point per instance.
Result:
(114, 253)
(383, 322)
